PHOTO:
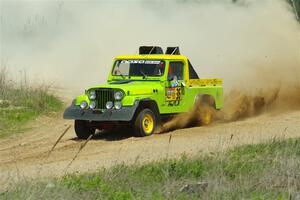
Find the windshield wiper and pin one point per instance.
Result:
(120, 73)
(144, 75)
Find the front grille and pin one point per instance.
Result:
(103, 96)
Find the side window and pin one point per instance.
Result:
(175, 71)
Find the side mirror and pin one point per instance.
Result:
(170, 78)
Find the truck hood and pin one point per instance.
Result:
(133, 86)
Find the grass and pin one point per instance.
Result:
(261, 171)
(21, 103)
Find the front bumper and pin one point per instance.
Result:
(124, 114)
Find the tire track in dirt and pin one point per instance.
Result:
(23, 156)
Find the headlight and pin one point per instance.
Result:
(118, 95)
(83, 104)
(92, 105)
(109, 105)
(118, 105)
(92, 95)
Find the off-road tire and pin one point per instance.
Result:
(206, 114)
(83, 130)
(207, 109)
(145, 123)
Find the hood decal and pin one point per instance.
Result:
(122, 82)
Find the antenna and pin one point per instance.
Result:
(174, 50)
(151, 50)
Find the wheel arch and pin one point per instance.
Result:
(202, 98)
(150, 104)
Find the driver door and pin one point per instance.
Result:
(174, 86)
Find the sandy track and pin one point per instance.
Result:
(24, 156)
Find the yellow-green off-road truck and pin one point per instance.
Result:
(141, 91)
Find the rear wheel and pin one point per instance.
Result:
(83, 130)
(145, 123)
(206, 114)
(207, 109)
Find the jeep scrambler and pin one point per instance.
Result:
(141, 91)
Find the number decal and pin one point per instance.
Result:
(173, 96)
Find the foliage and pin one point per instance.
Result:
(20, 103)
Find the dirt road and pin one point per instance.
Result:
(24, 156)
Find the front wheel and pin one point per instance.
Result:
(83, 130)
(145, 123)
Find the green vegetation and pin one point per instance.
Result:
(20, 103)
(261, 171)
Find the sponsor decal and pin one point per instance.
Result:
(173, 96)
(147, 62)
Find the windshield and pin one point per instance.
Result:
(139, 68)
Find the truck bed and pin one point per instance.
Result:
(206, 82)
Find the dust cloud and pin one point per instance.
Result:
(253, 45)
(238, 105)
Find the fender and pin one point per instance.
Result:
(202, 98)
(147, 103)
